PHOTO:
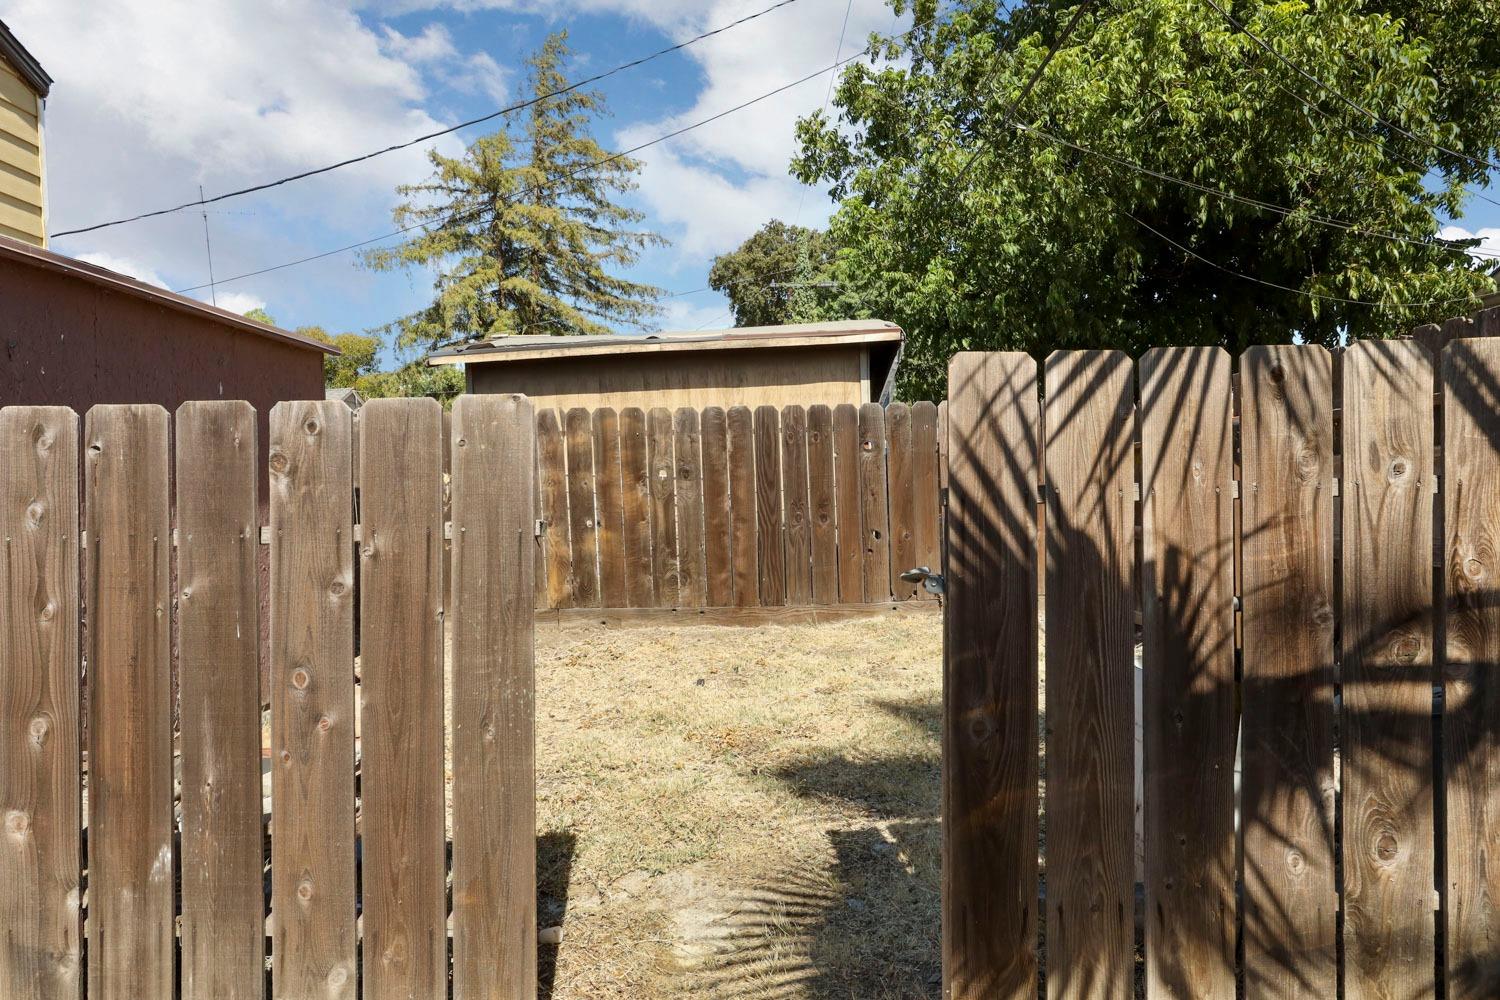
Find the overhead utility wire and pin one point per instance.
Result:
(1282, 210)
(1288, 288)
(1485, 163)
(543, 186)
(431, 135)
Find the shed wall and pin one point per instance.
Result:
(752, 377)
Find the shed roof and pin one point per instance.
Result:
(24, 62)
(524, 347)
(24, 253)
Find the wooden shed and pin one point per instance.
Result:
(23, 94)
(844, 362)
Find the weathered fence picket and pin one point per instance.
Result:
(1350, 855)
(357, 516)
(218, 625)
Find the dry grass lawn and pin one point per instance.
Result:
(740, 813)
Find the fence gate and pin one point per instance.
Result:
(1321, 697)
(115, 886)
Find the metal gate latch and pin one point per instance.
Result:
(931, 582)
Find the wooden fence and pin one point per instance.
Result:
(723, 512)
(104, 891)
(1298, 624)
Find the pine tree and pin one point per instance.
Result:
(523, 228)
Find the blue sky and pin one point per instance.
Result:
(156, 97)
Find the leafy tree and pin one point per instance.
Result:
(360, 356)
(523, 229)
(976, 227)
(415, 378)
(768, 277)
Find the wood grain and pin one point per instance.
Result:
(494, 715)
(900, 499)
(312, 701)
(1091, 608)
(717, 545)
(1471, 752)
(691, 584)
(926, 498)
(742, 507)
(1189, 721)
(218, 622)
(1386, 659)
(659, 437)
(989, 897)
(402, 825)
(874, 514)
(635, 481)
(552, 467)
(770, 548)
(578, 431)
(610, 500)
(1287, 788)
(822, 505)
(130, 918)
(794, 490)
(851, 546)
(40, 918)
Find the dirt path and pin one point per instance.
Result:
(741, 813)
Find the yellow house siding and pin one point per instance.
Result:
(22, 214)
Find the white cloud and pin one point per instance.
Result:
(1489, 247)
(432, 44)
(708, 309)
(241, 302)
(121, 265)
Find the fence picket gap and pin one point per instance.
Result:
(40, 784)
(989, 809)
(926, 499)
(1189, 722)
(405, 949)
(223, 896)
(312, 700)
(1286, 800)
(130, 919)
(494, 738)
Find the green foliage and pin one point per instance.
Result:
(522, 228)
(1037, 246)
(260, 316)
(767, 277)
(414, 378)
(360, 357)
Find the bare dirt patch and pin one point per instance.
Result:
(740, 813)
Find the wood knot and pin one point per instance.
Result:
(1386, 847)
(337, 977)
(37, 730)
(336, 588)
(324, 723)
(35, 512)
(1473, 569)
(1295, 863)
(286, 758)
(305, 890)
(279, 463)
(301, 678)
(17, 823)
(311, 426)
(46, 612)
(1321, 617)
(1398, 469)
(1277, 373)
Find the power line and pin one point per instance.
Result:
(1288, 288)
(1484, 163)
(536, 189)
(1281, 210)
(832, 75)
(431, 135)
(1057, 43)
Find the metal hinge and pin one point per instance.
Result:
(265, 534)
(933, 583)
